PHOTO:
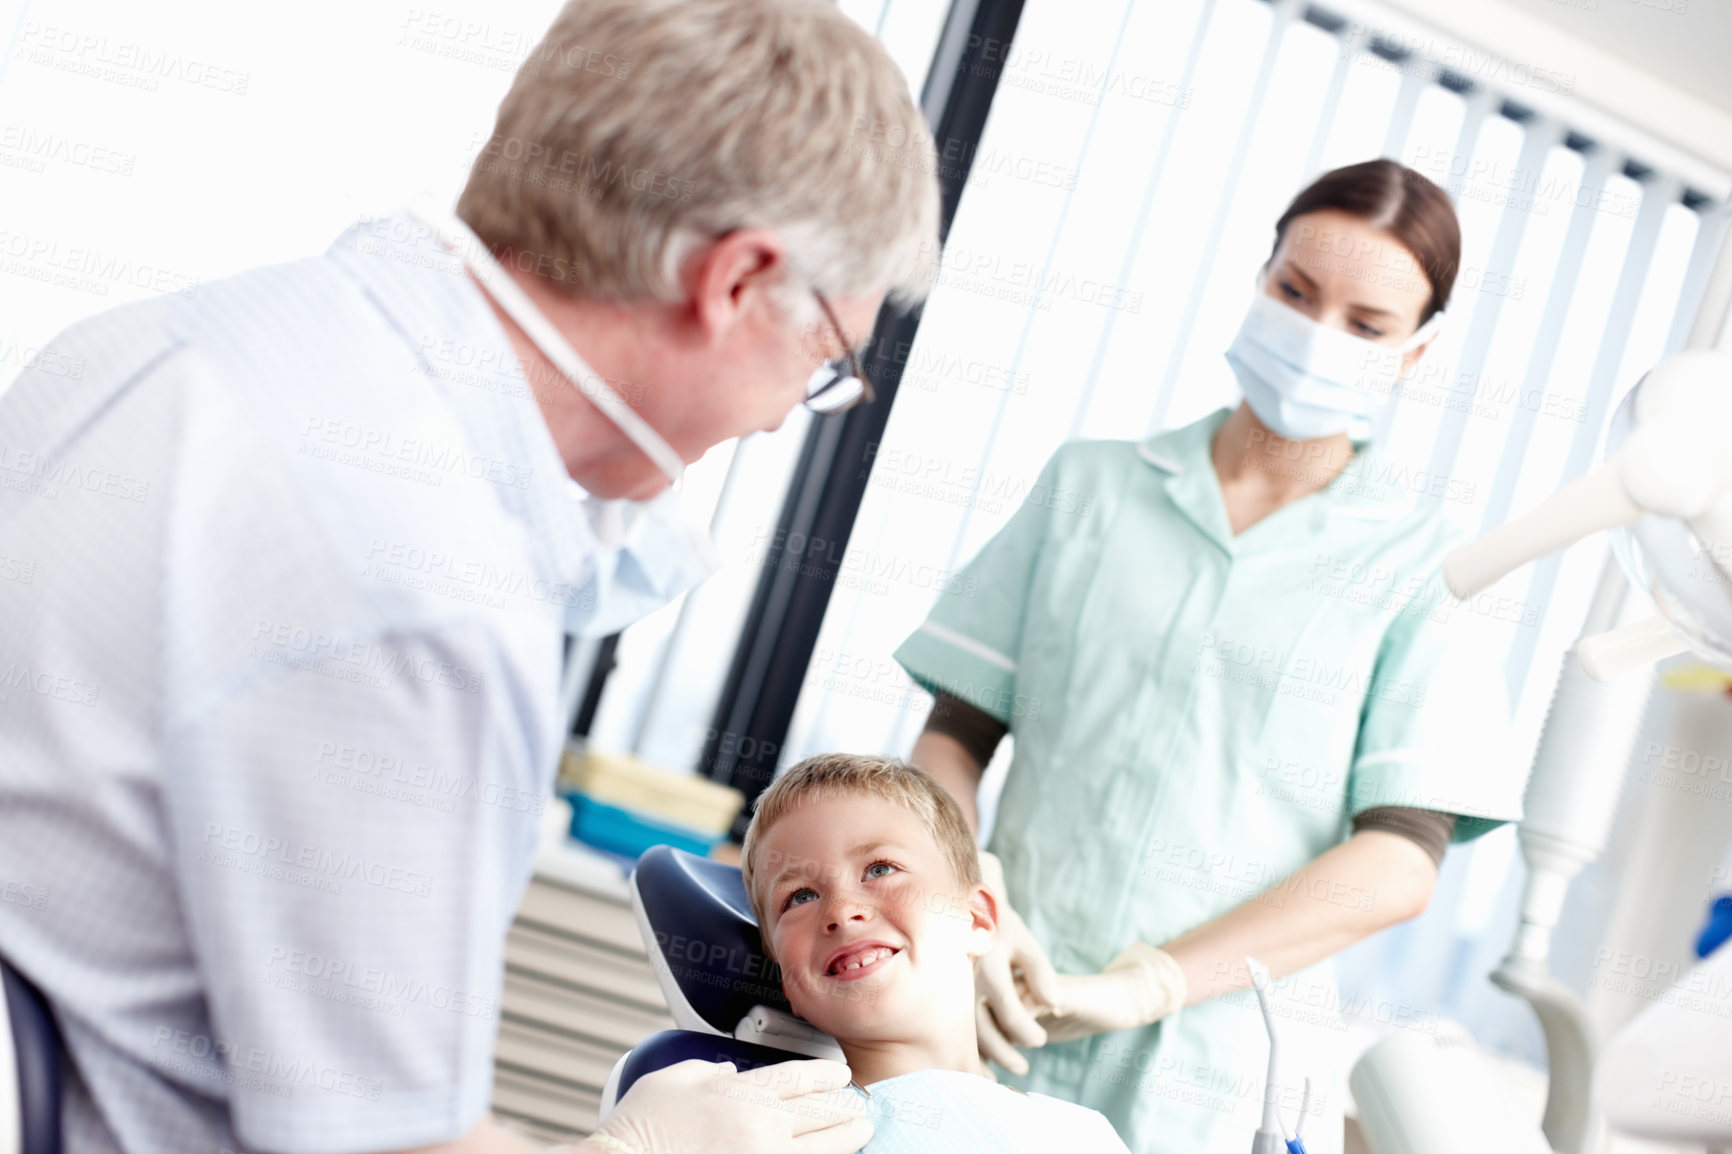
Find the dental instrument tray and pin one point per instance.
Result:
(684, 800)
(628, 832)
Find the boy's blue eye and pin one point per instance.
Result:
(795, 898)
(888, 869)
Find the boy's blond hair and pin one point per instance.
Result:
(829, 774)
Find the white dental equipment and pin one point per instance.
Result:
(1425, 1093)
(1667, 477)
(1666, 489)
(1571, 801)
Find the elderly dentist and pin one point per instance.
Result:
(282, 699)
(1244, 722)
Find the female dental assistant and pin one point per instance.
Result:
(1244, 721)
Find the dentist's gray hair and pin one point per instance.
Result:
(638, 130)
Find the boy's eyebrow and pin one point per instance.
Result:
(805, 866)
(802, 866)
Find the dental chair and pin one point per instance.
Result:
(724, 994)
(30, 1082)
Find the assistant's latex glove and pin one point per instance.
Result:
(697, 1107)
(1010, 983)
(1142, 985)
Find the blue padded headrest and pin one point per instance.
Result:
(1719, 928)
(36, 1044)
(707, 935)
(658, 1051)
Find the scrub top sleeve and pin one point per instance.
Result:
(350, 841)
(967, 646)
(1434, 733)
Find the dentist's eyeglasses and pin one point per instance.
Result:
(840, 383)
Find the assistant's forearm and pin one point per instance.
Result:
(1368, 883)
(951, 766)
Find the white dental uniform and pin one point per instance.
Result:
(283, 575)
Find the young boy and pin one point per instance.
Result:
(867, 888)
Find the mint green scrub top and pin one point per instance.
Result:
(1196, 716)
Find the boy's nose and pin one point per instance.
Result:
(846, 908)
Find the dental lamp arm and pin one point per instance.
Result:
(1586, 505)
(1671, 464)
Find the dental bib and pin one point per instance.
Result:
(950, 1112)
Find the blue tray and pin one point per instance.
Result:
(624, 831)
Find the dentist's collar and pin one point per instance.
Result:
(509, 295)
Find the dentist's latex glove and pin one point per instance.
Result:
(1010, 980)
(697, 1107)
(1140, 986)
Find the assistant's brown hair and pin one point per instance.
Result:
(1398, 200)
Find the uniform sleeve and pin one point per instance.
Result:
(967, 646)
(1434, 733)
(978, 733)
(352, 831)
(1425, 828)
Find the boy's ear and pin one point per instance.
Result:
(983, 909)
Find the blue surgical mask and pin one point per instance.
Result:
(646, 554)
(643, 553)
(1305, 380)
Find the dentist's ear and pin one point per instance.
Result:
(983, 909)
(730, 276)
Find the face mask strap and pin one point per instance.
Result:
(1423, 333)
(458, 237)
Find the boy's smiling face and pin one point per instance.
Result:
(875, 936)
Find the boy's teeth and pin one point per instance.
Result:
(867, 958)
